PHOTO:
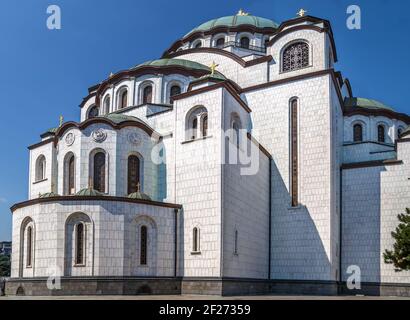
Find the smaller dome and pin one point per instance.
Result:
(139, 196)
(365, 103)
(48, 195)
(89, 192)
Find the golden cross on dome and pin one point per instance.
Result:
(302, 13)
(242, 13)
(213, 67)
(61, 120)
(138, 187)
(90, 183)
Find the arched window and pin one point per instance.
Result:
(399, 132)
(41, 168)
(357, 133)
(198, 44)
(69, 174)
(220, 42)
(79, 244)
(195, 240)
(205, 125)
(196, 123)
(266, 42)
(99, 172)
(93, 112)
(244, 42)
(123, 99)
(381, 134)
(294, 152)
(143, 245)
(147, 94)
(235, 132)
(133, 173)
(29, 246)
(295, 56)
(175, 90)
(107, 104)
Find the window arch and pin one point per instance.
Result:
(99, 171)
(357, 132)
(69, 174)
(197, 44)
(294, 156)
(244, 42)
(107, 104)
(220, 42)
(143, 245)
(196, 123)
(381, 133)
(122, 98)
(93, 112)
(27, 244)
(174, 90)
(79, 243)
(295, 56)
(40, 168)
(195, 240)
(147, 94)
(134, 171)
(399, 132)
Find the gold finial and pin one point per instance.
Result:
(213, 67)
(90, 183)
(61, 120)
(138, 187)
(302, 13)
(242, 13)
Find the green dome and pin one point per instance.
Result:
(89, 192)
(48, 195)
(174, 62)
(235, 21)
(365, 103)
(139, 196)
(118, 118)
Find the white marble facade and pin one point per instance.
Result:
(245, 226)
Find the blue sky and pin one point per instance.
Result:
(46, 73)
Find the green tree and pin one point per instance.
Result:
(4, 266)
(400, 255)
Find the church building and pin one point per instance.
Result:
(239, 162)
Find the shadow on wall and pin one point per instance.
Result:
(361, 226)
(297, 251)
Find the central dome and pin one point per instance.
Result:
(235, 21)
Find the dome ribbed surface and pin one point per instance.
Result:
(89, 192)
(139, 196)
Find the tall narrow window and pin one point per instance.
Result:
(107, 104)
(29, 246)
(79, 244)
(99, 172)
(93, 112)
(40, 168)
(295, 56)
(244, 43)
(235, 249)
(294, 152)
(71, 175)
(133, 173)
(194, 127)
(266, 42)
(198, 44)
(123, 99)
(235, 132)
(381, 134)
(220, 42)
(147, 95)
(195, 240)
(357, 133)
(143, 245)
(205, 125)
